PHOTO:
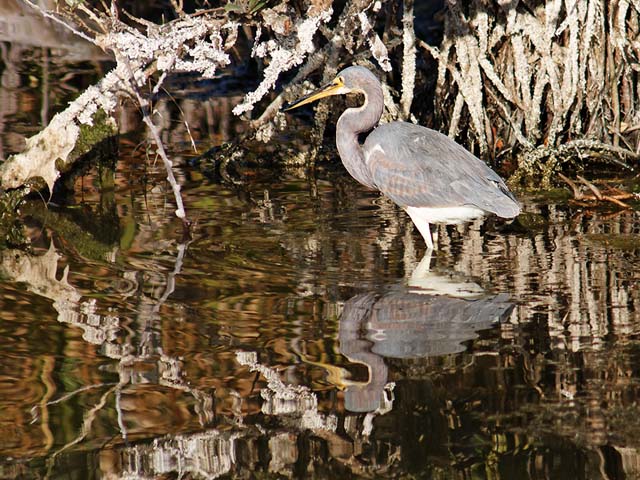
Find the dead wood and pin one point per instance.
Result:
(598, 196)
(554, 83)
(532, 77)
(146, 53)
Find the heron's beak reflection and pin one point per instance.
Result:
(334, 88)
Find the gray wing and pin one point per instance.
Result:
(419, 167)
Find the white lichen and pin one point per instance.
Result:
(283, 56)
(378, 49)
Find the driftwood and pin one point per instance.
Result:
(612, 195)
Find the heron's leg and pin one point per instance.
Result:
(428, 239)
(422, 269)
(423, 227)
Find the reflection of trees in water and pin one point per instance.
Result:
(539, 375)
(564, 366)
(565, 363)
(135, 345)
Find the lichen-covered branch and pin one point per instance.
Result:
(184, 44)
(56, 147)
(351, 40)
(284, 55)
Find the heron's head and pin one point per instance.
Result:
(353, 79)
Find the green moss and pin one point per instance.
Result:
(103, 127)
(93, 235)
(11, 228)
(93, 140)
(618, 241)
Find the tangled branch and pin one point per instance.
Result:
(523, 76)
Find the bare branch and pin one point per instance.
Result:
(408, 59)
(51, 16)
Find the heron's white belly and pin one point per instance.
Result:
(448, 215)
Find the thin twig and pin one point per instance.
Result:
(584, 200)
(93, 17)
(616, 201)
(591, 186)
(168, 165)
(54, 18)
(577, 194)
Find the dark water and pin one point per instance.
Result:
(293, 336)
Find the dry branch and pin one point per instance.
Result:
(612, 195)
(185, 44)
(541, 75)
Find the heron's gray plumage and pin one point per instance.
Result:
(424, 168)
(354, 121)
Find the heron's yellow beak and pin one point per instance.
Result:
(334, 88)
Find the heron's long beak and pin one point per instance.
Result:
(334, 88)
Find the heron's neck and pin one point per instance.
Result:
(352, 122)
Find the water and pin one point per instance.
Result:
(292, 336)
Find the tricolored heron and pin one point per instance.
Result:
(429, 175)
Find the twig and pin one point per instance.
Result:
(577, 194)
(146, 118)
(583, 199)
(93, 17)
(178, 7)
(616, 201)
(168, 165)
(54, 18)
(591, 187)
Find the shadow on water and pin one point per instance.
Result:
(298, 334)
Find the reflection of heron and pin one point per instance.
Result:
(430, 176)
(404, 324)
(452, 283)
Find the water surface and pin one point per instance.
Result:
(291, 337)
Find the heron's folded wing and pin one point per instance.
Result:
(419, 167)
